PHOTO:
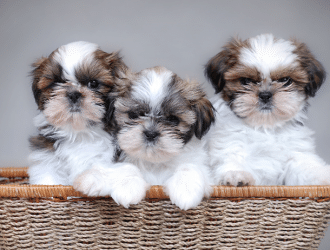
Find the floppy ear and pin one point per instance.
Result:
(202, 107)
(220, 63)
(205, 115)
(316, 77)
(215, 69)
(36, 74)
(314, 69)
(114, 62)
(109, 117)
(122, 77)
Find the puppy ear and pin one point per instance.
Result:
(109, 117)
(205, 116)
(36, 74)
(215, 69)
(114, 62)
(202, 107)
(220, 63)
(314, 69)
(122, 82)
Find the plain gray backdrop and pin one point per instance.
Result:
(180, 35)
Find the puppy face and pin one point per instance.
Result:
(73, 86)
(159, 115)
(265, 81)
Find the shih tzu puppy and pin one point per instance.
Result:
(160, 121)
(74, 89)
(263, 85)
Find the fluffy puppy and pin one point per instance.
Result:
(161, 119)
(262, 86)
(74, 89)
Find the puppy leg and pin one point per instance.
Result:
(188, 185)
(228, 162)
(307, 169)
(123, 181)
(129, 187)
(45, 169)
(93, 182)
(38, 176)
(231, 176)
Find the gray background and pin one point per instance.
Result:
(180, 35)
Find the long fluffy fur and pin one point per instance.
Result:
(161, 119)
(74, 89)
(71, 153)
(260, 137)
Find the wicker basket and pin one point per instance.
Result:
(57, 217)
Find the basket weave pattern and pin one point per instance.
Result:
(57, 217)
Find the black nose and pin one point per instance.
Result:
(151, 135)
(265, 96)
(74, 96)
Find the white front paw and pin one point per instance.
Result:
(130, 190)
(187, 189)
(90, 183)
(44, 180)
(235, 178)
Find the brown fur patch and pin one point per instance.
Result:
(233, 78)
(40, 142)
(313, 68)
(223, 61)
(193, 92)
(159, 69)
(298, 75)
(238, 71)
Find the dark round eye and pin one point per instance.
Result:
(174, 120)
(93, 84)
(245, 81)
(133, 115)
(286, 80)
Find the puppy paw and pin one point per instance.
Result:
(313, 174)
(45, 180)
(236, 178)
(90, 183)
(130, 190)
(187, 189)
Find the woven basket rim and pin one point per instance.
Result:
(157, 192)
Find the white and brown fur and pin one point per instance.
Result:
(262, 87)
(161, 119)
(74, 88)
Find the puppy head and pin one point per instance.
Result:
(160, 114)
(74, 86)
(265, 81)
